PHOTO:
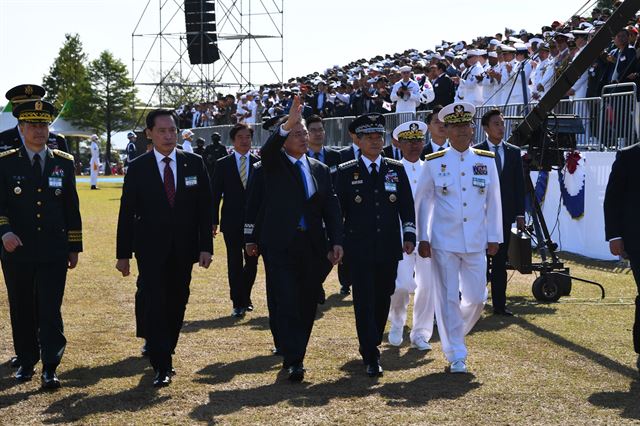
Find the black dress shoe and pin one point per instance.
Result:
(14, 362)
(238, 312)
(503, 311)
(296, 373)
(24, 374)
(345, 290)
(49, 379)
(374, 370)
(162, 378)
(276, 351)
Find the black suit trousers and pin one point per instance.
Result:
(35, 293)
(165, 296)
(497, 272)
(373, 284)
(241, 269)
(272, 306)
(139, 307)
(635, 267)
(294, 274)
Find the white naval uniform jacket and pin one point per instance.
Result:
(470, 89)
(414, 171)
(410, 102)
(95, 154)
(458, 198)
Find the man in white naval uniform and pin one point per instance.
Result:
(94, 162)
(406, 92)
(579, 88)
(507, 70)
(470, 83)
(411, 136)
(459, 223)
(490, 83)
(542, 77)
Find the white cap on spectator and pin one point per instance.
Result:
(506, 48)
(94, 138)
(585, 25)
(438, 56)
(187, 133)
(536, 40)
(566, 35)
(449, 54)
(481, 52)
(515, 40)
(493, 54)
(520, 47)
(494, 42)
(459, 46)
(405, 68)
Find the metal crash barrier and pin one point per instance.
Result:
(611, 121)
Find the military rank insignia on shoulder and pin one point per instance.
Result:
(393, 161)
(9, 152)
(63, 154)
(347, 164)
(434, 155)
(257, 165)
(484, 153)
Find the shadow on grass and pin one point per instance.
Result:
(627, 402)
(255, 323)
(223, 373)
(355, 384)
(79, 405)
(82, 377)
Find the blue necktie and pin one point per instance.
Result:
(303, 223)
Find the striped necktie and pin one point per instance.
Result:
(243, 171)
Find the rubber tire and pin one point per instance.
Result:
(545, 289)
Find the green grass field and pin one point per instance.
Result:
(566, 363)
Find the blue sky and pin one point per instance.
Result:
(317, 34)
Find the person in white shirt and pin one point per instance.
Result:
(187, 136)
(406, 92)
(542, 77)
(94, 162)
(459, 223)
(470, 82)
(413, 271)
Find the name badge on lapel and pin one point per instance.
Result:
(390, 187)
(55, 182)
(190, 181)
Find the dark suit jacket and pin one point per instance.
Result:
(511, 182)
(227, 184)
(331, 158)
(10, 139)
(445, 91)
(347, 154)
(285, 201)
(622, 200)
(387, 151)
(148, 226)
(626, 65)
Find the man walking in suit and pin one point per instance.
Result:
(621, 213)
(165, 219)
(509, 164)
(230, 182)
(377, 203)
(299, 203)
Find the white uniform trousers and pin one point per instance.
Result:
(423, 303)
(94, 167)
(458, 274)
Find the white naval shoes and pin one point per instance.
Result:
(421, 344)
(395, 336)
(459, 366)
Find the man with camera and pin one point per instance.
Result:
(406, 92)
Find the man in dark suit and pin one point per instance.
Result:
(443, 87)
(41, 232)
(437, 131)
(317, 148)
(375, 196)
(621, 213)
(509, 164)
(165, 219)
(320, 100)
(212, 153)
(230, 182)
(12, 138)
(301, 214)
(392, 150)
(622, 59)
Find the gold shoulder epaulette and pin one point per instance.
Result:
(393, 161)
(347, 164)
(9, 152)
(484, 153)
(434, 155)
(63, 154)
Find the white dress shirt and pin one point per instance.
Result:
(368, 163)
(247, 165)
(186, 146)
(162, 165)
(435, 147)
(497, 149)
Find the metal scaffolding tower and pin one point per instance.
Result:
(250, 41)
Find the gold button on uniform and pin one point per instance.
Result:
(38, 215)
(39, 189)
(39, 229)
(39, 203)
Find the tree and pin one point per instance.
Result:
(177, 90)
(113, 98)
(605, 4)
(67, 83)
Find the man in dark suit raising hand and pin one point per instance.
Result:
(165, 219)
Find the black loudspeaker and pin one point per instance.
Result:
(202, 39)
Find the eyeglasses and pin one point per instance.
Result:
(318, 130)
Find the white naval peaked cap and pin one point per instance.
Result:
(405, 68)
(411, 130)
(457, 112)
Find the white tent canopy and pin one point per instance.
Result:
(7, 120)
